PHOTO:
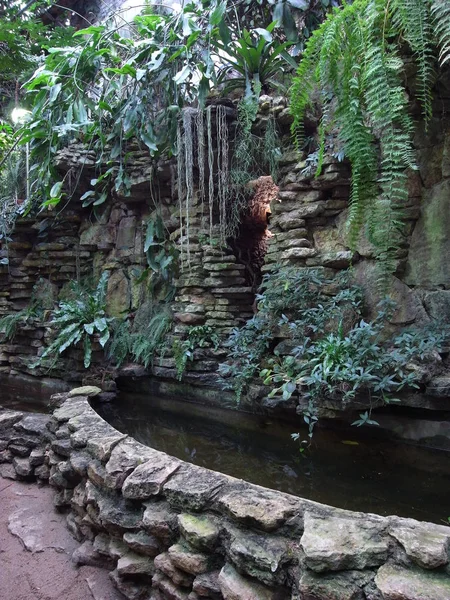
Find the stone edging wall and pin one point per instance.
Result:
(169, 530)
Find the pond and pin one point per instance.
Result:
(350, 469)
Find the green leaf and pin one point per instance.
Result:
(56, 189)
(104, 338)
(54, 92)
(87, 352)
(216, 17)
(88, 194)
(90, 30)
(264, 34)
(89, 328)
(101, 324)
(182, 75)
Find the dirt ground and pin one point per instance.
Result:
(36, 549)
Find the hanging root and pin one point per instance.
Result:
(200, 123)
(181, 183)
(222, 170)
(211, 170)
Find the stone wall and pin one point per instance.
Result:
(307, 229)
(166, 529)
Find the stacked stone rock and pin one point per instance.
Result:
(24, 440)
(167, 530)
(307, 207)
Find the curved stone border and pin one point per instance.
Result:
(171, 530)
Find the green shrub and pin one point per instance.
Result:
(78, 319)
(199, 336)
(140, 340)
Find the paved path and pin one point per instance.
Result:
(36, 549)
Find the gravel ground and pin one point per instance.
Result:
(36, 550)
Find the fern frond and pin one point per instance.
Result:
(440, 11)
(414, 19)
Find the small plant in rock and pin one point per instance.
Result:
(142, 339)
(247, 345)
(357, 364)
(199, 336)
(10, 323)
(292, 303)
(80, 319)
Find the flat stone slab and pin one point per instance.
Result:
(188, 560)
(147, 479)
(426, 545)
(193, 488)
(8, 418)
(236, 587)
(258, 507)
(86, 390)
(71, 408)
(34, 424)
(398, 583)
(346, 585)
(337, 544)
(125, 457)
(200, 531)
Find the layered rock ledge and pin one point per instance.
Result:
(166, 529)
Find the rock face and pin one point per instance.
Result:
(169, 530)
(428, 260)
(337, 544)
(397, 583)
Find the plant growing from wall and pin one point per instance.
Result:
(292, 302)
(355, 60)
(10, 323)
(143, 338)
(80, 320)
(198, 336)
(162, 260)
(333, 352)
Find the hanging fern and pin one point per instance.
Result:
(354, 59)
(440, 12)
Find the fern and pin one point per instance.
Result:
(354, 58)
(440, 12)
(77, 319)
(144, 339)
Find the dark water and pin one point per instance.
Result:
(28, 393)
(347, 470)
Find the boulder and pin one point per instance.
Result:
(335, 543)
